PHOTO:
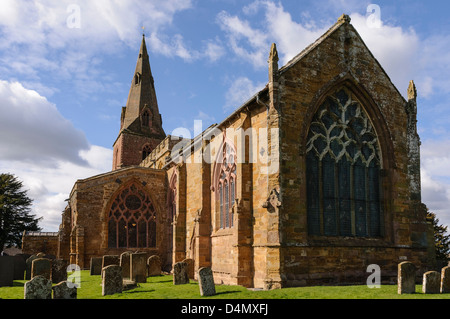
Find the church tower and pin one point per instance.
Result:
(140, 122)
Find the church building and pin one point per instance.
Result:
(310, 181)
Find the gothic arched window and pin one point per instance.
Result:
(226, 184)
(145, 118)
(146, 151)
(132, 220)
(343, 166)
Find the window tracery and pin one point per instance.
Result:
(132, 220)
(343, 170)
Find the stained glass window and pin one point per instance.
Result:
(343, 166)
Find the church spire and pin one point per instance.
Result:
(140, 123)
(142, 95)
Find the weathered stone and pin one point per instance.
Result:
(63, 291)
(59, 270)
(138, 267)
(129, 284)
(41, 267)
(206, 282)
(6, 271)
(38, 287)
(112, 280)
(190, 267)
(431, 282)
(406, 278)
(29, 262)
(154, 265)
(96, 266)
(445, 280)
(180, 275)
(110, 260)
(125, 264)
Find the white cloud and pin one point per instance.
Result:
(50, 186)
(240, 91)
(34, 130)
(435, 177)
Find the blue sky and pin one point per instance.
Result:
(66, 68)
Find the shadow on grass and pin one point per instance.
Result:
(137, 291)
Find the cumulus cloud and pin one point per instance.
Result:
(34, 130)
(435, 176)
(241, 89)
(50, 186)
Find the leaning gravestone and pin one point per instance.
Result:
(125, 264)
(445, 280)
(59, 270)
(38, 288)
(190, 267)
(180, 275)
(96, 266)
(6, 271)
(41, 267)
(64, 291)
(29, 262)
(154, 265)
(406, 278)
(431, 282)
(138, 269)
(112, 280)
(206, 282)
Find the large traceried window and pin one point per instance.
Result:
(226, 184)
(132, 220)
(343, 170)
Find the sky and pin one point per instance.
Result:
(66, 69)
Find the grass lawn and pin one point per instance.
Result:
(161, 287)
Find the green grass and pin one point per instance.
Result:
(161, 287)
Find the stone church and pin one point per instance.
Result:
(310, 181)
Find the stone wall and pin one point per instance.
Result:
(36, 242)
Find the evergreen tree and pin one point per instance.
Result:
(441, 238)
(15, 208)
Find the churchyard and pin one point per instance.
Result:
(114, 277)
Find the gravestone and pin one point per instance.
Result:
(112, 280)
(180, 275)
(190, 267)
(406, 278)
(38, 287)
(29, 262)
(63, 291)
(110, 260)
(59, 270)
(6, 271)
(154, 265)
(96, 266)
(41, 267)
(206, 282)
(445, 280)
(19, 267)
(125, 264)
(431, 282)
(138, 269)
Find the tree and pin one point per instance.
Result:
(15, 208)
(441, 238)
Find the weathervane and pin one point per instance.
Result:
(143, 28)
